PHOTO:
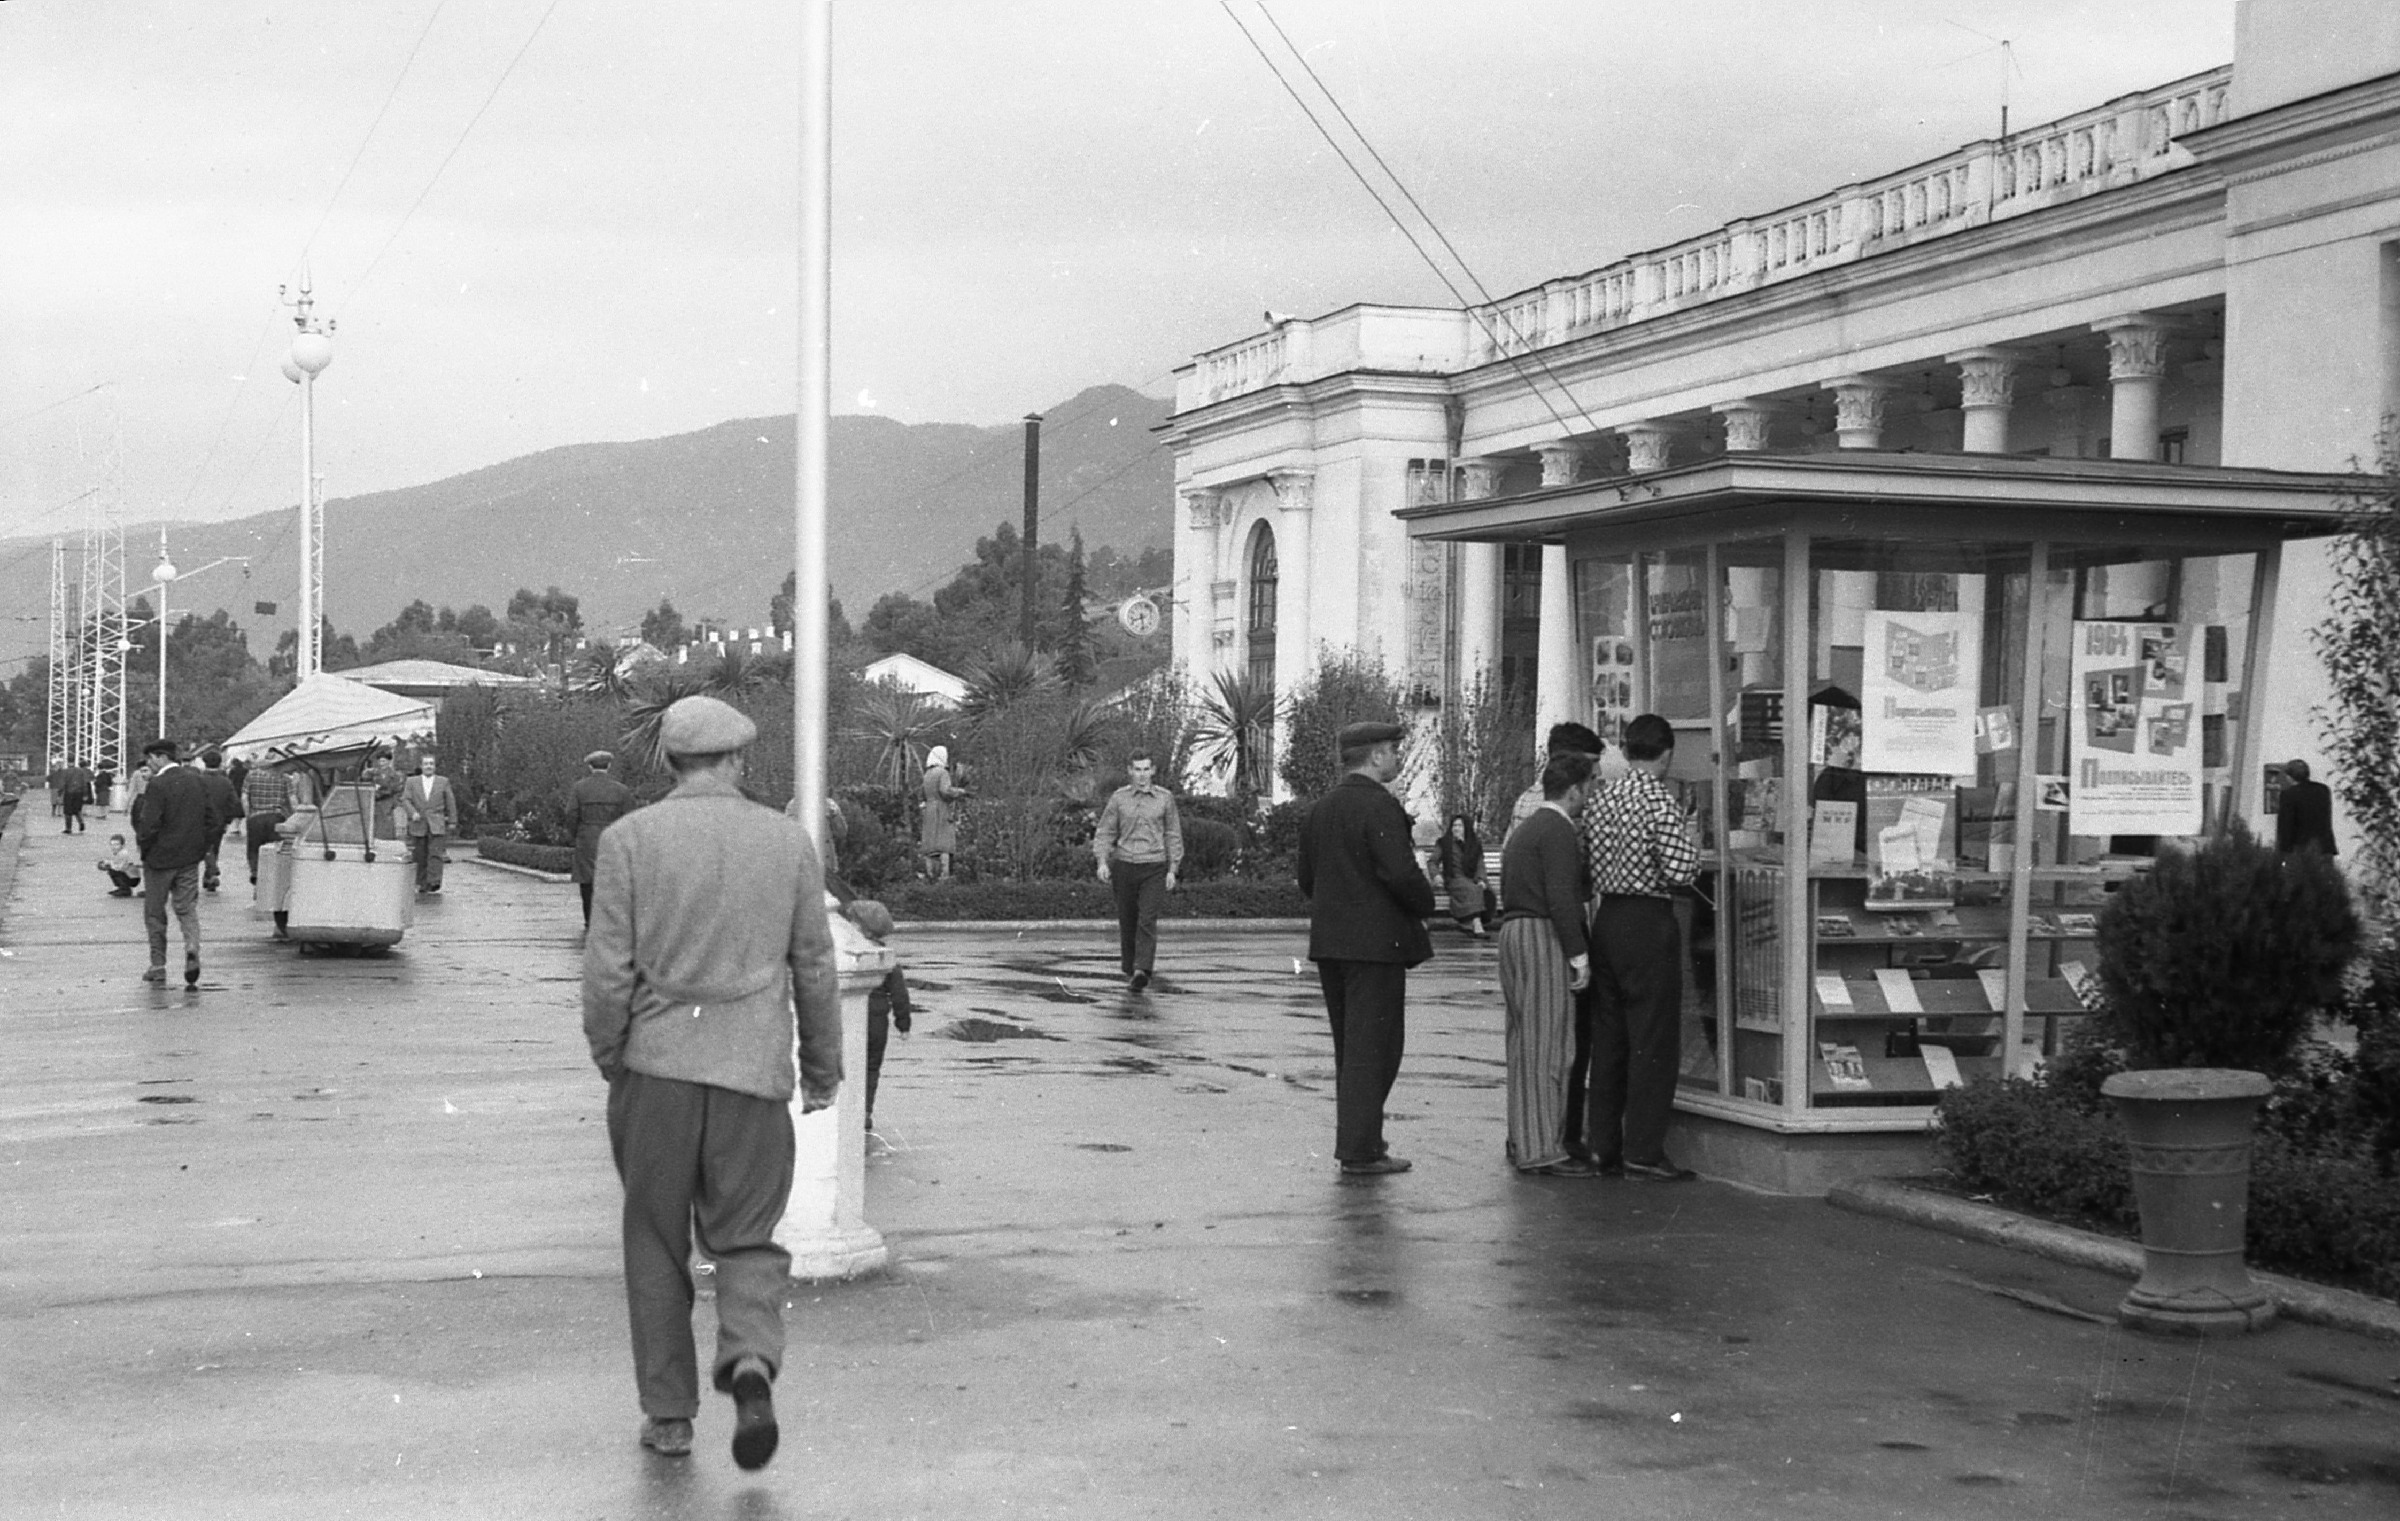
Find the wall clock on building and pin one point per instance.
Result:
(1139, 615)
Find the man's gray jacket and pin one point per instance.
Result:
(709, 947)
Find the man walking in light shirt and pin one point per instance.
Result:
(1139, 844)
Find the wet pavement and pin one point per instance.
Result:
(335, 1236)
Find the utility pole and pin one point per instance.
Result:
(312, 351)
(1033, 520)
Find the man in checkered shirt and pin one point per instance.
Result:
(1642, 850)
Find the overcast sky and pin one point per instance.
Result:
(1031, 197)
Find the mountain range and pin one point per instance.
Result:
(703, 519)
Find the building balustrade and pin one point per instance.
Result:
(2121, 143)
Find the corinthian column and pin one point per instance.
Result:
(1858, 410)
(2137, 362)
(1198, 609)
(1747, 424)
(1478, 582)
(1562, 463)
(1648, 445)
(1295, 588)
(1987, 380)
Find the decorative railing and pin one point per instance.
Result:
(2121, 143)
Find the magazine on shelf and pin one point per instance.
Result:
(1844, 1066)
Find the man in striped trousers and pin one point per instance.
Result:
(1544, 962)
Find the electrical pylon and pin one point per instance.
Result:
(58, 721)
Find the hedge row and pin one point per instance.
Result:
(558, 858)
(1089, 898)
(2323, 1209)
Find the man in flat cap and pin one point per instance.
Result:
(1368, 902)
(708, 946)
(597, 800)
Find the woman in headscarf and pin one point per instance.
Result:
(937, 826)
(1458, 861)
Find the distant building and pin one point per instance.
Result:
(430, 679)
(911, 674)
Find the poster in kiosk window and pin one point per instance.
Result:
(2134, 747)
(1918, 692)
(1912, 860)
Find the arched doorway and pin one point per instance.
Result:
(1260, 623)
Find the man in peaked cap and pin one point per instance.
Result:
(597, 800)
(1368, 901)
(708, 943)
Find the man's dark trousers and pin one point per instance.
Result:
(1141, 889)
(1637, 1035)
(180, 886)
(1366, 1003)
(259, 829)
(704, 1164)
(1579, 1072)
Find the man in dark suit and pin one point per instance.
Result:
(172, 822)
(225, 805)
(433, 817)
(1368, 903)
(2305, 815)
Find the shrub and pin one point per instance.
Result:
(558, 858)
(2220, 956)
(2037, 1147)
(1223, 810)
(2319, 1203)
(1088, 898)
(1209, 849)
(1279, 831)
(1347, 687)
(872, 857)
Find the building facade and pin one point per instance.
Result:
(2204, 273)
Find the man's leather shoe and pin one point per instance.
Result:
(668, 1437)
(191, 971)
(1382, 1164)
(155, 974)
(1659, 1172)
(754, 1430)
(1141, 980)
(1572, 1167)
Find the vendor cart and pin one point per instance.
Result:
(330, 881)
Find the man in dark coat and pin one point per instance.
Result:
(597, 800)
(1368, 902)
(172, 822)
(2304, 817)
(226, 805)
(75, 793)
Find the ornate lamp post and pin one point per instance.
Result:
(163, 576)
(312, 351)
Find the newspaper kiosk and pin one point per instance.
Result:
(1930, 709)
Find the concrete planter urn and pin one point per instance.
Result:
(2187, 1135)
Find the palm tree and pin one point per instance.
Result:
(598, 670)
(904, 724)
(1012, 674)
(1236, 725)
(657, 692)
(735, 674)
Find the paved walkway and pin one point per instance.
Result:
(334, 1236)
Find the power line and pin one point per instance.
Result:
(52, 406)
(1514, 361)
(461, 142)
(393, 94)
(274, 313)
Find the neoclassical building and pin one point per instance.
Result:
(2203, 273)
(1968, 524)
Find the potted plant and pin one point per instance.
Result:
(2212, 965)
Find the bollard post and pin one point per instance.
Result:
(825, 1226)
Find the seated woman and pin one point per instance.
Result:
(1458, 861)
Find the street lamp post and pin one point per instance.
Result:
(312, 351)
(163, 575)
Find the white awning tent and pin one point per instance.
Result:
(331, 713)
